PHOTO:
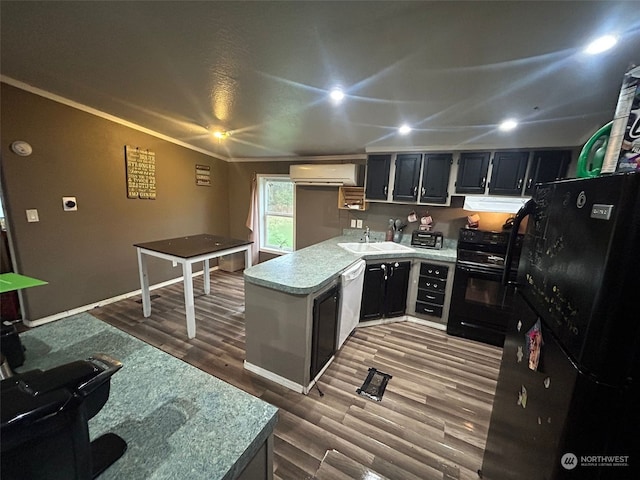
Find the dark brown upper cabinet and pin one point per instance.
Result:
(507, 176)
(435, 177)
(378, 168)
(472, 172)
(547, 166)
(405, 186)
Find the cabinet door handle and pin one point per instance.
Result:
(429, 310)
(385, 189)
(482, 183)
(520, 183)
(430, 297)
(384, 269)
(423, 191)
(529, 183)
(415, 191)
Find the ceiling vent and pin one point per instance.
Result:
(323, 174)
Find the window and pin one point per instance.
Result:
(277, 201)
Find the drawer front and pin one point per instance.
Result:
(431, 270)
(430, 283)
(428, 296)
(428, 309)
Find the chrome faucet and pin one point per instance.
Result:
(366, 234)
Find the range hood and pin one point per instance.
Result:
(494, 204)
(324, 174)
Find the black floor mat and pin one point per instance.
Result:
(375, 384)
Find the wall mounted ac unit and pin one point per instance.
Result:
(323, 174)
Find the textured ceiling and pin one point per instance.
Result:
(262, 70)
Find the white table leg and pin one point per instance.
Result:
(207, 279)
(188, 299)
(144, 283)
(247, 257)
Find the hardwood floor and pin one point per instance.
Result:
(431, 423)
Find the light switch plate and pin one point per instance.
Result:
(32, 215)
(353, 223)
(359, 224)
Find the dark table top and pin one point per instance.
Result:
(193, 245)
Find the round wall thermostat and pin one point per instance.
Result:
(22, 148)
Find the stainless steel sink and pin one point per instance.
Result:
(375, 247)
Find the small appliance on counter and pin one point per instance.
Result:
(425, 239)
(44, 421)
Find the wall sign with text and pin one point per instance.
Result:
(141, 173)
(203, 175)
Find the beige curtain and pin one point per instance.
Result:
(253, 221)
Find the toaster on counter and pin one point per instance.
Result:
(421, 238)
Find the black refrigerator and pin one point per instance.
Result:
(568, 398)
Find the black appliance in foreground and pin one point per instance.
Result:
(480, 305)
(567, 401)
(44, 432)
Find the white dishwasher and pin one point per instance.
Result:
(351, 279)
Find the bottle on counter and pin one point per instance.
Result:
(389, 235)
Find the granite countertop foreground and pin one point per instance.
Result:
(307, 270)
(178, 421)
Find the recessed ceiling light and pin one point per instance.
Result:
(220, 135)
(601, 44)
(337, 95)
(404, 129)
(508, 125)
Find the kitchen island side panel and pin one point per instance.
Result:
(278, 332)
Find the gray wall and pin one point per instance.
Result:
(88, 255)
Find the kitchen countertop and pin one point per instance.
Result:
(305, 271)
(178, 421)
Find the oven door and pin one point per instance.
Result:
(480, 304)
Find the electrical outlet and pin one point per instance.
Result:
(353, 223)
(359, 224)
(32, 215)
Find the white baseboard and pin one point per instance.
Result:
(285, 382)
(403, 318)
(383, 321)
(85, 308)
(427, 323)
